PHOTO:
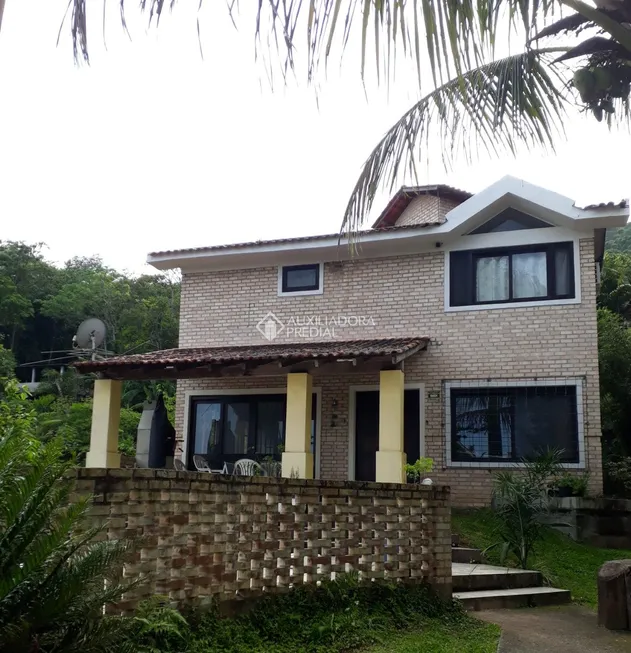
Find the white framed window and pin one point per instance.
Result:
(304, 279)
(543, 272)
(502, 423)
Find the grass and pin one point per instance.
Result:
(437, 637)
(563, 562)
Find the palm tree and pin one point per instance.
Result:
(476, 98)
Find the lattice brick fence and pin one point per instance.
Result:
(207, 536)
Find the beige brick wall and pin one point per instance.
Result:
(202, 537)
(405, 297)
(426, 208)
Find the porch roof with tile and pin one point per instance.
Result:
(256, 359)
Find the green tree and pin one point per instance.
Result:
(615, 285)
(474, 97)
(7, 363)
(614, 354)
(55, 577)
(619, 240)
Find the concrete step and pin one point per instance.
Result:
(469, 577)
(455, 540)
(512, 598)
(463, 554)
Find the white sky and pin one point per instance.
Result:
(153, 148)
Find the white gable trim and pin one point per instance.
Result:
(507, 192)
(534, 200)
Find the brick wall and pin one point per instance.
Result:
(426, 208)
(207, 536)
(405, 297)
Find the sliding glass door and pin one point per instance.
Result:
(224, 429)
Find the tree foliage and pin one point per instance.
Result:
(42, 305)
(55, 576)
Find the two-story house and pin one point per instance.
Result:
(460, 327)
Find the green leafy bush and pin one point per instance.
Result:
(159, 627)
(520, 500)
(55, 577)
(576, 483)
(417, 471)
(72, 422)
(338, 616)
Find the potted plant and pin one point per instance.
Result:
(571, 485)
(418, 471)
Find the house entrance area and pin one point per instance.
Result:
(229, 416)
(366, 430)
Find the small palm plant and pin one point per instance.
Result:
(521, 503)
(55, 577)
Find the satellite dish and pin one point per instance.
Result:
(90, 334)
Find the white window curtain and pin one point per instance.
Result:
(562, 271)
(492, 278)
(530, 275)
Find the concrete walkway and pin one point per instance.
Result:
(558, 629)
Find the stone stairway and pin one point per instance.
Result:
(486, 587)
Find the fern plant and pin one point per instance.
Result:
(55, 576)
(158, 627)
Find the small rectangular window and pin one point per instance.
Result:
(301, 278)
(512, 274)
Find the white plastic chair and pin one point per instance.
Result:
(201, 464)
(178, 465)
(247, 467)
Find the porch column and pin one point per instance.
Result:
(390, 457)
(106, 411)
(297, 456)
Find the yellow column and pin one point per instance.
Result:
(390, 457)
(297, 457)
(106, 411)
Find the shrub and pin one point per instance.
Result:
(340, 615)
(618, 473)
(577, 483)
(521, 501)
(55, 578)
(416, 472)
(72, 422)
(158, 627)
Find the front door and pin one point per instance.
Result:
(367, 430)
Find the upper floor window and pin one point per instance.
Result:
(512, 274)
(300, 279)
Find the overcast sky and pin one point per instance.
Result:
(153, 148)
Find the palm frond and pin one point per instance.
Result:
(56, 575)
(498, 105)
(595, 45)
(572, 23)
(451, 36)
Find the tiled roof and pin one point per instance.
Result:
(406, 194)
(298, 239)
(285, 353)
(623, 204)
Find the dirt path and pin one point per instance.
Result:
(559, 629)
